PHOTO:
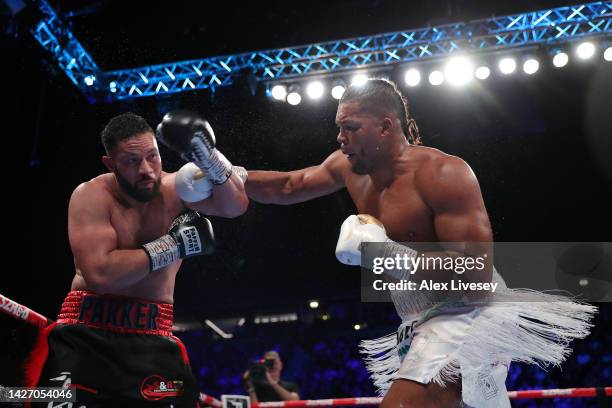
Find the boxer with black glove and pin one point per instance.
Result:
(190, 235)
(208, 170)
(193, 139)
(129, 230)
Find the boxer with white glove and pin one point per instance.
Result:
(208, 172)
(191, 184)
(365, 228)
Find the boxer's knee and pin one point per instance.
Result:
(407, 393)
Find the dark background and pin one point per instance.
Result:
(540, 145)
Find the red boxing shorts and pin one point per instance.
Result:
(114, 351)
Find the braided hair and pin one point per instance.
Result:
(377, 94)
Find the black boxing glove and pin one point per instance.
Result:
(193, 138)
(190, 235)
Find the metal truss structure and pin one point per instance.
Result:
(66, 51)
(542, 27)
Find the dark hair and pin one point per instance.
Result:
(379, 94)
(123, 127)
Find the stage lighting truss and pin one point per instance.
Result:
(551, 26)
(65, 50)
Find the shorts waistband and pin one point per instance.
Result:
(118, 313)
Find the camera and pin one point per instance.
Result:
(258, 369)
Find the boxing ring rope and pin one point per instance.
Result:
(207, 400)
(20, 312)
(335, 402)
(370, 401)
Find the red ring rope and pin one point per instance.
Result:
(369, 401)
(21, 312)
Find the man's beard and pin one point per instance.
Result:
(135, 193)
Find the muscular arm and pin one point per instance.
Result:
(93, 241)
(276, 187)
(450, 188)
(228, 200)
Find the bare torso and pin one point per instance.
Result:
(400, 205)
(135, 227)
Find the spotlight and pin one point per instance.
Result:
(315, 90)
(531, 66)
(359, 80)
(279, 92)
(436, 78)
(294, 97)
(360, 326)
(413, 77)
(89, 80)
(585, 50)
(608, 54)
(507, 66)
(338, 89)
(482, 72)
(313, 304)
(458, 71)
(560, 59)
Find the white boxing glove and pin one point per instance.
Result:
(191, 185)
(355, 230)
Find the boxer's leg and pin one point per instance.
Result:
(407, 393)
(429, 376)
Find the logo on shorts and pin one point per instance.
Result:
(156, 387)
(487, 386)
(404, 338)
